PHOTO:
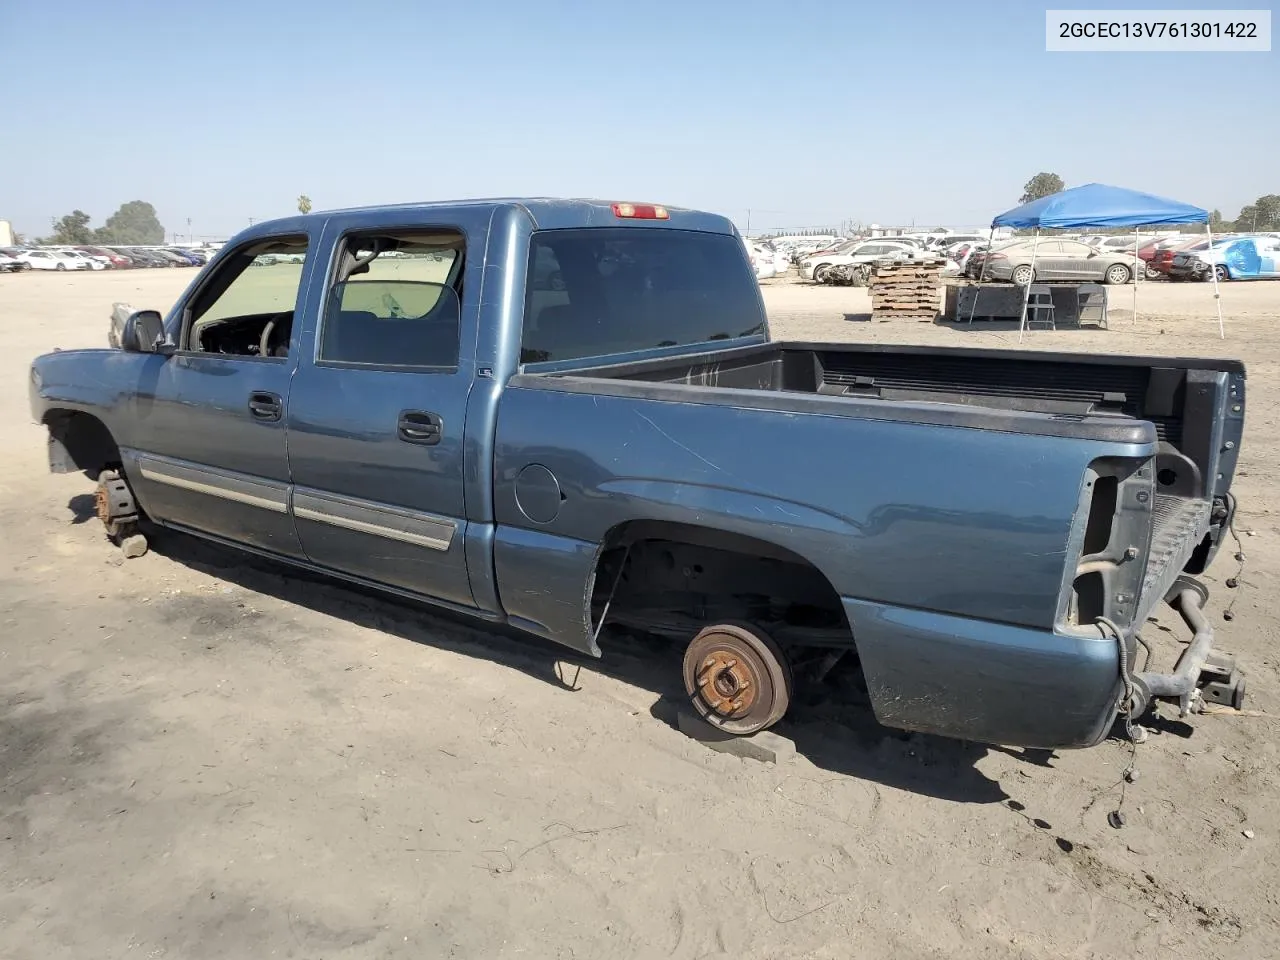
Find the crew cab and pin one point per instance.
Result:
(557, 414)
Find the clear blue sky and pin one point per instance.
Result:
(806, 113)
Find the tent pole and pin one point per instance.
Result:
(1026, 293)
(1135, 280)
(1217, 294)
(991, 239)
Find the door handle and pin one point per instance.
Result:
(418, 426)
(265, 406)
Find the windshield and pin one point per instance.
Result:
(593, 292)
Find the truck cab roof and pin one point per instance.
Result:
(547, 213)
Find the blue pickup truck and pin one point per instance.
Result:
(558, 414)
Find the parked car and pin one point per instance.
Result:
(1059, 260)
(148, 258)
(960, 253)
(116, 260)
(10, 264)
(563, 460)
(856, 253)
(174, 259)
(132, 256)
(14, 255)
(1151, 251)
(52, 260)
(760, 259)
(811, 245)
(1161, 261)
(1236, 258)
(92, 262)
(193, 257)
(781, 262)
(947, 241)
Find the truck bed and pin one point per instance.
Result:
(1177, 396)
(1191, 407)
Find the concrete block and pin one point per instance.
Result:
(134, 546)
(765, 746)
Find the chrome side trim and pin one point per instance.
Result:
(376, 519)
(214, 483)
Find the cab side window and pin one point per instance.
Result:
(245, 308)
(395, 301)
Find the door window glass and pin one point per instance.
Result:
(245, 308)
(395, 302)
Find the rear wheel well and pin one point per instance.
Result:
(673, 579)
(81, 442)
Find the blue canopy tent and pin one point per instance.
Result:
(1099, 205)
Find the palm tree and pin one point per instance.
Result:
(304, 204)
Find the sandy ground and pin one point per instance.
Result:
(204, 756)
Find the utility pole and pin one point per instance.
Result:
(190, 238)
(251, 221)
(748, 221)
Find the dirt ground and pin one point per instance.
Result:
(205, 756)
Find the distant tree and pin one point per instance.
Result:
(1247, 220)
(1215, 219)
(19, 239)
(1041, 185)
(135, 222)
(1268, 210)
(304, 204)
(73, 228)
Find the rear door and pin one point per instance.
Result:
(377, 409)
(1076, 260)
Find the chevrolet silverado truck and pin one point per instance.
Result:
(557, 414)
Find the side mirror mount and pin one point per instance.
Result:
(144, 333)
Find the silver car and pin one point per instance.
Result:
(1060, 260)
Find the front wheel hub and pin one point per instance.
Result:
(114, 503)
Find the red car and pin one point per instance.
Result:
(117, 262)
(1161, 259)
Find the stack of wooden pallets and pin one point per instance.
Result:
(906, 289)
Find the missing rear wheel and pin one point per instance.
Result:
(737, 678)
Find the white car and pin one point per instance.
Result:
(954, 239)
(780, 255)
(51, 260)
(857, 251)
(94, 263)
(761, 266)
(762, 260)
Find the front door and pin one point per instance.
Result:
(376, 418)
(1048, 257)
(211, 453)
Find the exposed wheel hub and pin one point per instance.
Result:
(114, 503)
(737, 678)
(726, 684)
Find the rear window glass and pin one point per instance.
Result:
(604, 291)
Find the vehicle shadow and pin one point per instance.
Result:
(83, 507)
(831, 725)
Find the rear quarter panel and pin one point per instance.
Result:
(961, 521)
(947, 544)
